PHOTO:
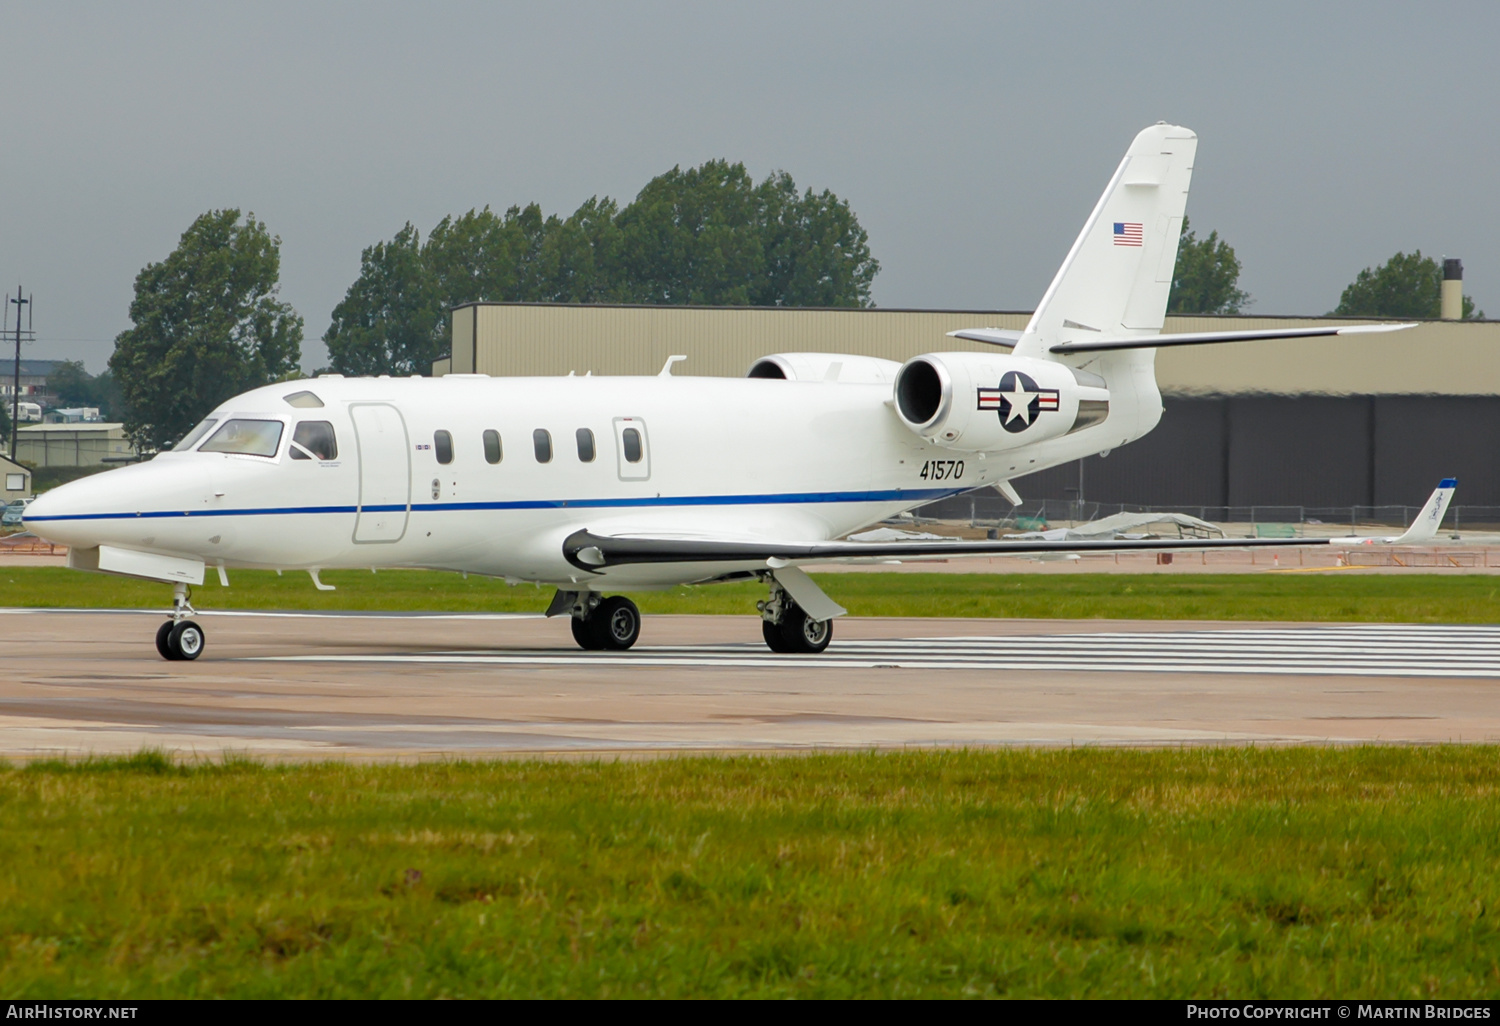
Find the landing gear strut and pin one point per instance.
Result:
(605, 624)
(180, 637)
(787, 628)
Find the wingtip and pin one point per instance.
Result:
(1448, 482)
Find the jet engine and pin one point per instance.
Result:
(976, 402)
(861, 370)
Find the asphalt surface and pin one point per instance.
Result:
(424, 686)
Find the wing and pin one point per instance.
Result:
(593, 552)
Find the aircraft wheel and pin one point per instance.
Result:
(164, 641)
(772, 633)
(186, 640)
(800, 633)
(618, 622)
(585, 632)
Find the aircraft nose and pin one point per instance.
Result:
(79, 513)
(50, 516)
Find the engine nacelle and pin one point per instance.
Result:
(859, 370)
(976, 402)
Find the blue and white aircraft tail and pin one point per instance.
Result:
(1424, 529)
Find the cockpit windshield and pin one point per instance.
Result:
(246, 437)
(191, 438)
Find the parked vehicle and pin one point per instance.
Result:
(13, 510)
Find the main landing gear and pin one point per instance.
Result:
(605, 624)
(179, 637)
(787, 628)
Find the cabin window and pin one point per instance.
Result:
(304, 401)
(246, 438)
(313, 440)
(442, 446)
(585, 445)
(631, 439)
(492, 451)
(191, 439)
(542, 441)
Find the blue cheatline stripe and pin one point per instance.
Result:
(772, 499)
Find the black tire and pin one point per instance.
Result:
(186, 640)
(586, 633)
(618, 623)
(164, 641)
(772, 633)
(802, 634)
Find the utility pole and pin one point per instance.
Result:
(15, 395)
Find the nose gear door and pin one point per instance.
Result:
(384, 472)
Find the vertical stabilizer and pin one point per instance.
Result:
(1425, 527)
(1117, 276)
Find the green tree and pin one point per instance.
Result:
(816, 253)
(693, 238)
(71, 384)
(1207, 276)
(1406, 285)
(391, 319)
(74, 386)
(207, 325)
(707, 235)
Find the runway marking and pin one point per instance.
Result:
(294, 614)
(1374, 650)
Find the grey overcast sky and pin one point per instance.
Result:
(971, 139)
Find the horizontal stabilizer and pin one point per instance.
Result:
(990, 336)
(1200, 338)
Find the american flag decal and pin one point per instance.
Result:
(1128, 233)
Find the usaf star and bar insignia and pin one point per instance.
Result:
(1018, 400)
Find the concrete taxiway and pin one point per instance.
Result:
(384, 686)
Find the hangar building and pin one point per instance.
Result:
(1369, 420)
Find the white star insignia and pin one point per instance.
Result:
(1020, 403)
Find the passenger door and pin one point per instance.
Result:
(384, 472)
(632, 449)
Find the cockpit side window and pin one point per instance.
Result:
(313, 440)
(246, 438)
(191, 438)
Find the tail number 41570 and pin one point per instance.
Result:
(941, 470)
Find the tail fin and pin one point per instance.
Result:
(1116, 277)
(1425, 528)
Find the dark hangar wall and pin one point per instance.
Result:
(1316, 451)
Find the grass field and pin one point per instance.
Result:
(1388, 598)
(1232, 872)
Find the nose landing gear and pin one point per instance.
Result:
(180, 637)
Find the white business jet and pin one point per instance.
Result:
(601, 484)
